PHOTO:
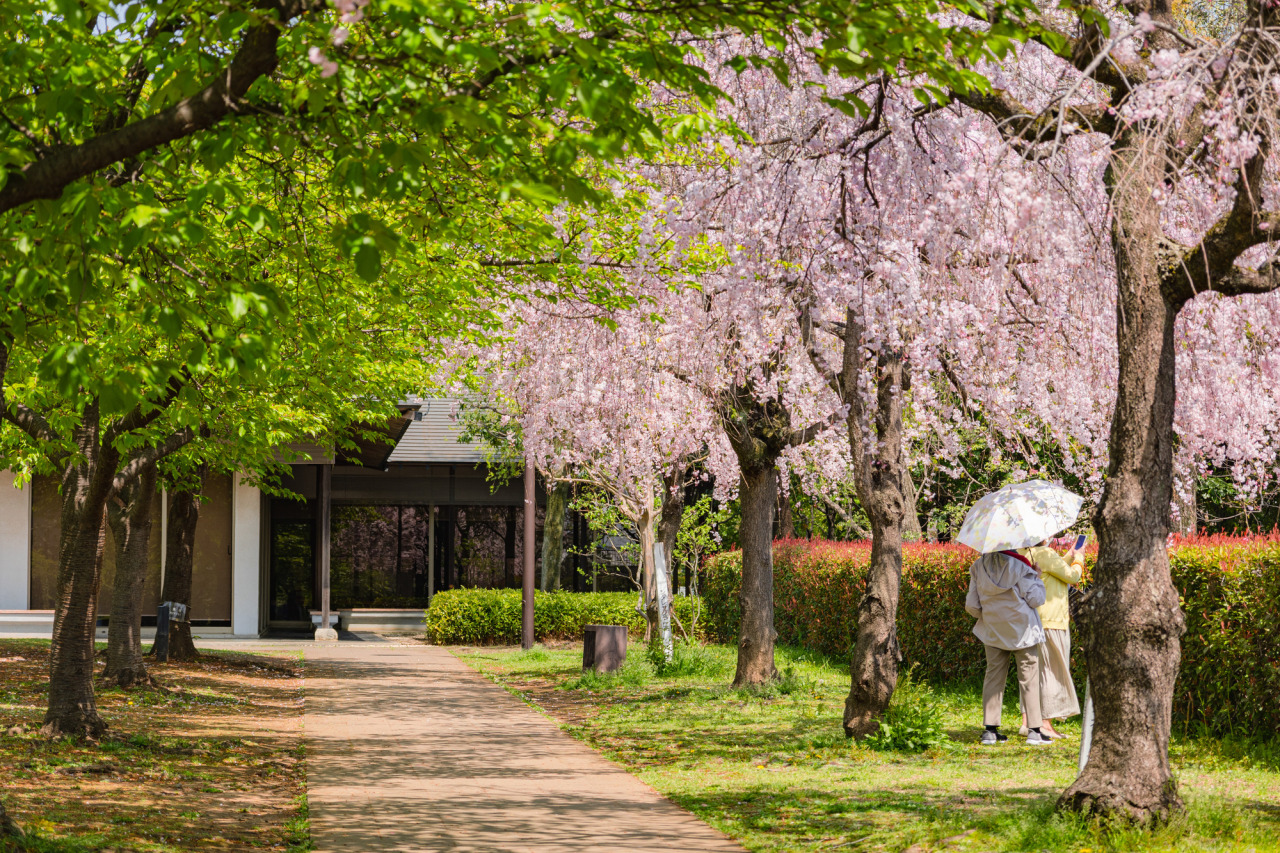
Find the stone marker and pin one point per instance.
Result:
(604, 647)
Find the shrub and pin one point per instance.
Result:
(492, 616)
(1230, 589)
(912, 723)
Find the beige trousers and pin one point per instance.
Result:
(1027, 662)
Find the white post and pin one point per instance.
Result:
(15, 544)
(1086, 728)
(246, 535)
(664, 599)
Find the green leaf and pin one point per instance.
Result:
(368, 262)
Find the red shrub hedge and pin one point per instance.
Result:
(1230, 675)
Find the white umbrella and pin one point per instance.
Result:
(1019, 515)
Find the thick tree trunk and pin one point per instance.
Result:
(184, 513)
(1131, 625)
(129, 514)
(86, 483)
(881, 477)
(758, 496)
(553, 536)
(645, 527)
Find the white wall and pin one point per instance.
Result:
(246, 533)
(15, 544)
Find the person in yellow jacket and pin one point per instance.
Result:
(1057, 690)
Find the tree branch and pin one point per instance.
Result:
(804, 310)
(138, 418)
(1016, 122)
(256, 57)
(23, 417)
(1241, 281)
(857, 528)
(151, 455)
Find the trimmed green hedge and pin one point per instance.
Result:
(1230, 676)
(476, 617)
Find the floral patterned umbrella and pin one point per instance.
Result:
(1019, 515)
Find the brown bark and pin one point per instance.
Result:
(553, 536)
(1130, 625)
(129, 514)
(786, 521)
(46, 177)
(757, 496)
(645, 527)
(758, 431)
(881, 475)
(184, 513)
(86, 484)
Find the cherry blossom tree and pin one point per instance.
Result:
(869, 256)
(1187, 126)
(594, 407)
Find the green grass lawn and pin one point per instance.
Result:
(774, 770)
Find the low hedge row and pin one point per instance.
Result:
(492, 616)
(1230, 674)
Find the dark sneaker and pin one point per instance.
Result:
(992, 738)
(1038, 739)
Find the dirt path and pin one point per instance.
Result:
(410, 750)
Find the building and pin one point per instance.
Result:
(408, 517)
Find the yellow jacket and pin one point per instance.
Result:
(1057, 577)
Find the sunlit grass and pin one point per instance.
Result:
(773, 769)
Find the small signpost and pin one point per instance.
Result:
(170, 611)
(1086, 728)
(664, 599)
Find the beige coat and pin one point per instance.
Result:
(1003, 595)
(1057, 576)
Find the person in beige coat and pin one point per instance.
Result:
(1057, 691)
(1004, 592)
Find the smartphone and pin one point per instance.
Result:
(1080, 540)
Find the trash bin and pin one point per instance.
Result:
(604, 647)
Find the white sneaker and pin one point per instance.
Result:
(1038, 739)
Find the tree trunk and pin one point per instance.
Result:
(184, 513)
(669, 523)
(758, 496)
(1188, 520)
(645, 527)
(911, 530)
(786, 521)
(86, 483)
(1131, 625)
(129, 514)
(553, 536)
(874, 669)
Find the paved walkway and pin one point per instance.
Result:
(410, 750)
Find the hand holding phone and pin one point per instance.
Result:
(1080, 542)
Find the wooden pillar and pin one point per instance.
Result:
(530, 520)
(323, 515)
(431, 553)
